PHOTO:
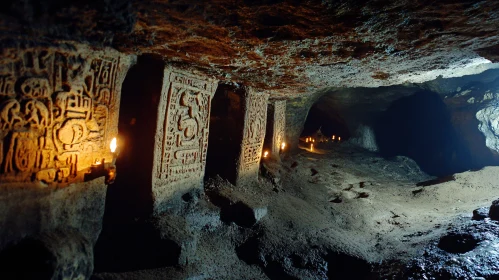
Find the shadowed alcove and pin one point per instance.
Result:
(327, 119)
(419, 126)
(226, 132)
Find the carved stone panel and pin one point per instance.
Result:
(255, 122)
(58, 111)
(181, 133)
(278, 127)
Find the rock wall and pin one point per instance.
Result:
(489, 126)
(58, 114)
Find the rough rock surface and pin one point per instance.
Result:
(32, 209)
(292, 46)
(467, 251)
(59, 254)
(494, 210)
(489, 126)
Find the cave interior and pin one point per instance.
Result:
(249, 139)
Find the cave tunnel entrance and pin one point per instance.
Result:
(419, 126)
(328, 120)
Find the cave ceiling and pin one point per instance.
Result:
(290, 47)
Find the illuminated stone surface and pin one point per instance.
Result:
(182, 131)
(59, 111)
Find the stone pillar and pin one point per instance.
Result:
(276, 125)
(181, 140)
(254, 127)
(59, 108)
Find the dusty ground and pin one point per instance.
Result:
(334, 213)
(381, 207)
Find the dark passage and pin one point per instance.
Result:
(419, 127)
(323, 117)
(226, 132)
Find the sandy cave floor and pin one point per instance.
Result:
(374, 205)
(340, 199)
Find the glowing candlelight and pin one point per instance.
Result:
(283, 145)
(311, 147)
(339, 138)
(113, 145)
(265, 154)
(334, 136)
(306, 140)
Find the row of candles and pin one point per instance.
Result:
(266, 153)
(312, 140)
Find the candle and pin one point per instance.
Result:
(283, 145)
(265, 154)
(311, 147)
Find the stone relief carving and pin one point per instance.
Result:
(254, 131)
(58, 113)
(279, 126)
(183, 127)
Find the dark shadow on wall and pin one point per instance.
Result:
(419, 127)
(226, 132)
(330, 122)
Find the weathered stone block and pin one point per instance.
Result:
(182, 131)
(255, 122)
(494, 210)
(59, 111)
(59, 108)
(276, 126)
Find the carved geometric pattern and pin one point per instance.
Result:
(58, 112)
(279, 125)
(183, 127)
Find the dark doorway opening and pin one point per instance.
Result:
(321, 116)
(419, 126)
(125, 242)
(226, 132)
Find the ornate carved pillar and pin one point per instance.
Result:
(182, 130)
(254, 127)
(276, 125)
(59, 109)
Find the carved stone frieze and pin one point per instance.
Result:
(182, 132)
(58, 111)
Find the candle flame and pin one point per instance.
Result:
(113, 145)
(283, 145)
(339, 138)
(265, 154)
(334, 136)
(311, 147)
